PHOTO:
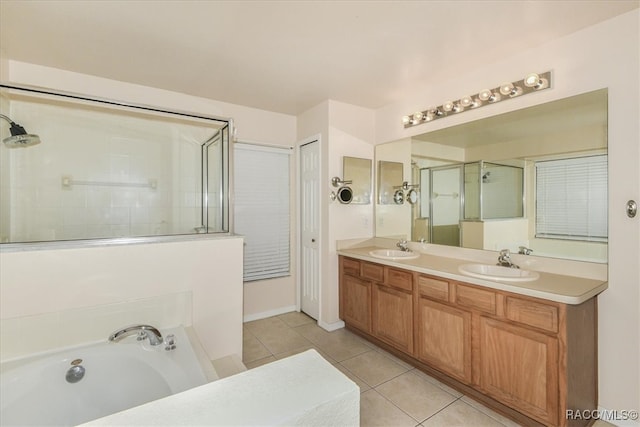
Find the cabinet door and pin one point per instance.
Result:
(444, 338)
(520, 368)
(356, 302)
(393, 317)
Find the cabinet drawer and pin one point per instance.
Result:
(351, 266)
(532, 313)
(372, 271)
(467, 296)
(399, 279)
(433, 288)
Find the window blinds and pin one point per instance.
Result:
(261, 209)
(571, 199)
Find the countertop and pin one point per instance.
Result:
(554, 287)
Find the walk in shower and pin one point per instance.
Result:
(459, 202)
(107, 170)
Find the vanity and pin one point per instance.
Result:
(527, 349)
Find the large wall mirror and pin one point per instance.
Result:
(531, 180)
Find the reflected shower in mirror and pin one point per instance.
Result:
(481, 186)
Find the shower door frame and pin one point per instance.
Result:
(226, 128)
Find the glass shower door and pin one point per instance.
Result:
(445, 205)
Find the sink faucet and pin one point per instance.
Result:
(525, 250)
(403, 245)
(143, 331)
(504, 259)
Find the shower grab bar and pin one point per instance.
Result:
(454, 195)
(68, 182)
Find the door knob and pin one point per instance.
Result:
(313, 240)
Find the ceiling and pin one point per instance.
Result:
(286, 56)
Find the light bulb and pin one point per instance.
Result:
(485, 94)
(406, 120)
(535, 81)
(506, 88)
(532, 80)
(417, 116)
(466, 101)
(447, 106)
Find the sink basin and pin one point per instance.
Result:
(393, 254)
(496, 272)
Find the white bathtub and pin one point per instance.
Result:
(118, 376)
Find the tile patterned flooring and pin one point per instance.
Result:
(393, 393)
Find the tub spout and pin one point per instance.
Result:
(143, 331)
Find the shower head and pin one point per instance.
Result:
(19, 137)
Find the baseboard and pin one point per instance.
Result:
(269, 313)
(331, 326)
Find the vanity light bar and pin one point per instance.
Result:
(531, 83)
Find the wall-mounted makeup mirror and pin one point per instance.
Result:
(358, 171)
(390, 178)
(503, 150)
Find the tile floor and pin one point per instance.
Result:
(393, 393)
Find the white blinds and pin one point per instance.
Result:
(261, 209)
(571, 198)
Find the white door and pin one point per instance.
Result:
(309, 228)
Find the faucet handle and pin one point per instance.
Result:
(505, 253)
(170, 342)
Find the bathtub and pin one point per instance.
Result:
(117, 376)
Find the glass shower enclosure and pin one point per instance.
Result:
(459, 202)
(108, 170)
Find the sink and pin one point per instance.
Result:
(496, 272)
(393, 254)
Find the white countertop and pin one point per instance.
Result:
(554, 287)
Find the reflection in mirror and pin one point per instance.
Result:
(494, 165)
(390, 178)
(358, 171)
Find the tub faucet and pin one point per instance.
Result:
(403, 245)
(504, 259)
(143, 331)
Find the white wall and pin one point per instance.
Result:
(251, 125)
(343, 130)
(42, 291)
(606, 55)
(350, 134)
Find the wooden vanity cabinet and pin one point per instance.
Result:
(392, 309)
(528, 358)
(355, 296)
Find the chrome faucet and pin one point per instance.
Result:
(523, 250)
(504, 259)
(403, 245)
(143, 331)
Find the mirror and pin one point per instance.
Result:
(477, 181)
(358, 171)
(390, 178)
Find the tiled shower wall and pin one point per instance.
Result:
(91, 145)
